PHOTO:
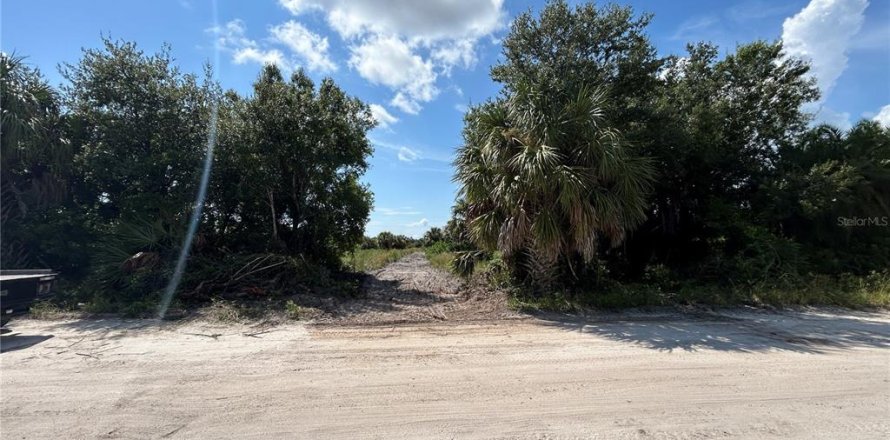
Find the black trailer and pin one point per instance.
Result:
(20, 288)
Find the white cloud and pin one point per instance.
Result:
(309, 46)
(427, 20)
(821, 33)
(398, 226)
(883, 116)
(346, 24)
(691, 28)
(427, 154)
(462, 53)
(407, 155)
(420, 223)
(838, 119)
(383, 117)
(231, 37)
(296, 6)
(407, 210)
(405, 104)
(390, 61)
(251, 54)
(406, 44)
(461, 108)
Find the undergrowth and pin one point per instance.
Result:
(364, 260)
(440, 256)
(871, 291)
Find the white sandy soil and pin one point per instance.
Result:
(744, 374)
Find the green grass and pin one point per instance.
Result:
(363, 260)
(872, 291)
(439, 256)
(441, 260)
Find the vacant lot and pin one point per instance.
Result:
(813, 374)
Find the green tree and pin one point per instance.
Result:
(433, 235)
(139, 127)
(715, 130)
(573, 48)
(39, 223)
(369, 243)
(285, 175)
(304, 150)
(544, 177)
(457, 233)
(544, 172)
(831, 193)
(35, 156)
(388, 240)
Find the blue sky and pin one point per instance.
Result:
(420, 63)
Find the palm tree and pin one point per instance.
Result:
(34, 159)
(432, 236)
(544, 177)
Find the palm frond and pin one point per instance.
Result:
(546, 175)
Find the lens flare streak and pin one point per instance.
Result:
(195, 220)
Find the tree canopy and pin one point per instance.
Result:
(600, 160)
(292, 155)
(100, 177)
(743, 187)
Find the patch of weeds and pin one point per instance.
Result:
(293, 310)
(857, 292)
(870, 291)
(364, 260)
(47, 310)
(140, 309)
(222, 311)
(494, 272)
(441, 260)
(100, 304)
(228, 311)
(554, 302)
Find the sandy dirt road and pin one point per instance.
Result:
(743, 374)
(754, 375)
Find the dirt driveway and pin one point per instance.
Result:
(814, 374)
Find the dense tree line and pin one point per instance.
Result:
(99, 177)
(601, 159)
(388, 240)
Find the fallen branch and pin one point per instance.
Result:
(255, 335)
(78, 342)
(214, 336)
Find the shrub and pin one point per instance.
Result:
(766, 258)
(437, 248)
(293, 310)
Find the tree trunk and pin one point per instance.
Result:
(274, 217)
